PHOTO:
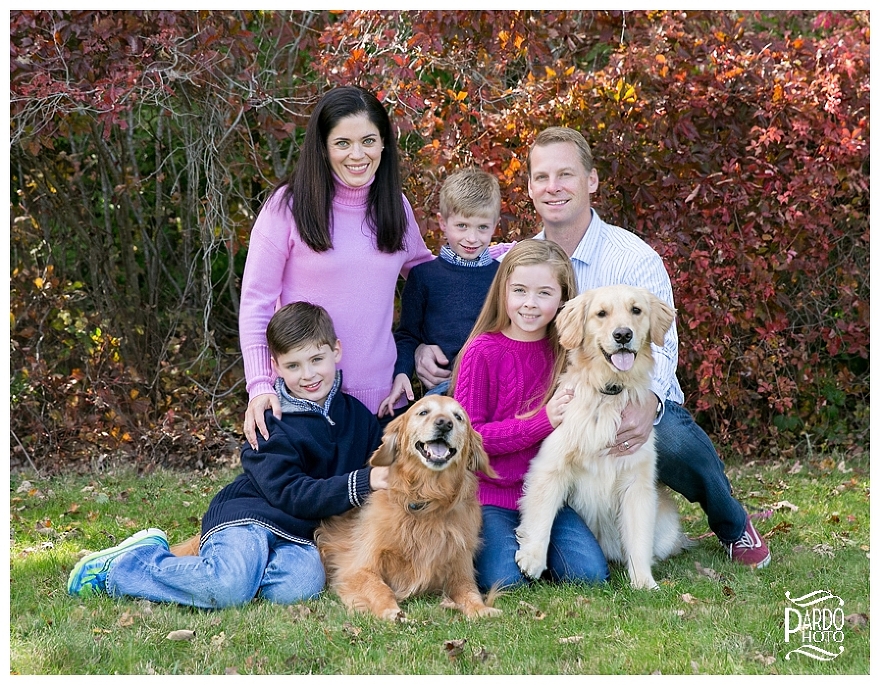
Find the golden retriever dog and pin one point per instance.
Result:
(608, 334)
(420, 535)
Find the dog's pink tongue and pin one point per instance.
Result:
(623, 360)
(438, 449)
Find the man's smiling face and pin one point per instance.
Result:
(560, 186)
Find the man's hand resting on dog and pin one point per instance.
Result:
(636, 424)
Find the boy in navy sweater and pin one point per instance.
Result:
(442, 298)
(258, 533)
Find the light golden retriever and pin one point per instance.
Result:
(608, 333)
(420, 535)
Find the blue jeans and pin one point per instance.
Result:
(234, 565)
(573, 554)
(439, 389)
(688, 463)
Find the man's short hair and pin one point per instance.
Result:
(470, 192)
(562, 134)
(299, 324)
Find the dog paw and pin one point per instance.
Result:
(396, 615)
(644, 584)
(532, 565)
(488, 612)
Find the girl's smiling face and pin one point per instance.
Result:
(533, 299)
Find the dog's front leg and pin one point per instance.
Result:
(366, 591)
(462, 591)
(543, 494)
(638, 512)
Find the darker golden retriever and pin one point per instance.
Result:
(608, 334)
(419, 536)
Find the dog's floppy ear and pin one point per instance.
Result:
(571, 320)
(662, 316)
(478, 460)
(387, 451)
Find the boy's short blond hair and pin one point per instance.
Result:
(470, 192)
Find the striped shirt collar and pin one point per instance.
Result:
(296, 405)
(447, 254)
(585, 252)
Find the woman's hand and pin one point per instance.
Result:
(401, 385)
(255, 417)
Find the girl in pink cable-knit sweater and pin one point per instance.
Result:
(337, 233)
(505, 378)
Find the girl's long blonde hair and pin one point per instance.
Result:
(493, 317)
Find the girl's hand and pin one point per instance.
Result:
(557, 405)
(255, 417)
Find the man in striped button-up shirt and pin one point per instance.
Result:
(561, 179)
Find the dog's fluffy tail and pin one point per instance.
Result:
(669, 538)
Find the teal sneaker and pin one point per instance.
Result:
(89, 576)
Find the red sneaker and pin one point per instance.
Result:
(750, 549)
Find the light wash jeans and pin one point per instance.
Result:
(688, 463)
(439, 389)
(234, 566)
(573, 554)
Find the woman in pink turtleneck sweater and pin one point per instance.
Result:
(337, 233)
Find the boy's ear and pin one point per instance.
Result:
(337, 350)
(275, 365)
(442, 222)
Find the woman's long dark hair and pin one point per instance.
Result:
(309, 190)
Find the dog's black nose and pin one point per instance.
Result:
(443, 424)
(622, 335)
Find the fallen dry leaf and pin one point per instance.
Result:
(766, 659)
(706, 571)
(688, 598)
(824, 550)
(181, 635)
(574, 639)
(785, 504)
(454, 647)
(856, 621)
(352, 630)
(537, 614)
(125, 620)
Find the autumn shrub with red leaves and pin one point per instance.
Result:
(735, 143)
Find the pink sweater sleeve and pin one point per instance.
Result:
(486, 381)
(261, 285)
(416, 250)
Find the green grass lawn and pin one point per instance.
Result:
(710, 616)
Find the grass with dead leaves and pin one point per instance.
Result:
(710, 616)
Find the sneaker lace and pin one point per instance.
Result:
(747, 541)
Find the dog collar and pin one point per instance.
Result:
(611, 389)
